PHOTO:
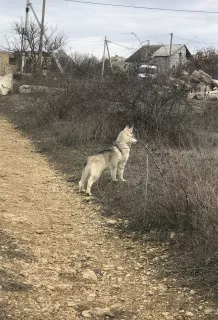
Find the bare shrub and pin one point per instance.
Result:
(155, 106)
(205, 59)
(85, 65)
(175, 191)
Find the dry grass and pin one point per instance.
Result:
(172, 188)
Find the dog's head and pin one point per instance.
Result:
(127, 136)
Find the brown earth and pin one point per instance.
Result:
(61, 260)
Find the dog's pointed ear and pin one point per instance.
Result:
(126, 128)
(131, 129)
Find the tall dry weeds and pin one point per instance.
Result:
(172, 184)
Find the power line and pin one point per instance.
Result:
(77, 40)
(120, 45)
(162, 35)
(142, 7)
(197, 41)
(143, 41)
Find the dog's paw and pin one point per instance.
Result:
(123, 180)
(115, 180)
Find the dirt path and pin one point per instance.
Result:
(59, 259)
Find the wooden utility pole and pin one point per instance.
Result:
(22, 42)
(148, 44)
(24, 45)
(147, 51)
(42, 30)
(46, 38)
(103, 59)
(109, 57)
(171, 44)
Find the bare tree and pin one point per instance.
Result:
(85, 64)
(34, 63)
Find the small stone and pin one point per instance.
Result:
(189, 314)
(91, 297)
(115, 286)
(172, 235)
(86, 314)
(65, 286)
(111, 221)
(51, 287)
(39, 231)
(192, 292)
(208, 311)
(57, 306)
(165, 314)
(107, 266)
(89, 275)
(116, 306)
(44, 260)
(182, 311)
(102, 312)
(70, 304)
(120, 268)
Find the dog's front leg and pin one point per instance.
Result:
(114, 173)
(121, 167)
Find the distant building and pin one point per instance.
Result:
(119, 62)
(159, 55)
(8, 62)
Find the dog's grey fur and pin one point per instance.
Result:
(114, 158)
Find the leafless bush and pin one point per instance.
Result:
(171, 192)
(155, 106)
(85, 65)
(205, 59)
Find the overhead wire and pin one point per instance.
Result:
(143, 7)
(120, 45)
(196, 41)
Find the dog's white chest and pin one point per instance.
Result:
(125, 155)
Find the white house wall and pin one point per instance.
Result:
(176, 59)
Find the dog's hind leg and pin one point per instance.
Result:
(84, 178)
(81, 186)
(91, 180)
(95, 173)
(114, 173)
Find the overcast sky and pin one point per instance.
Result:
(85, 25)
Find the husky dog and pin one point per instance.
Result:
(114, 158)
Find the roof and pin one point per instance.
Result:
(145, 53)
(61, 54)
(6, 52)
(141, 54)
(164, 50)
